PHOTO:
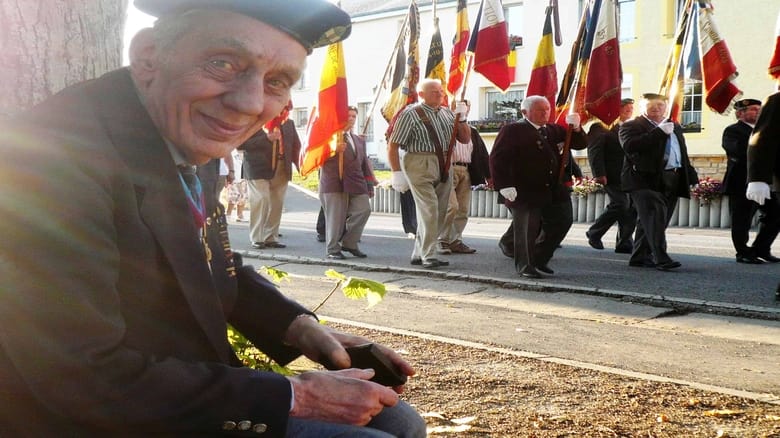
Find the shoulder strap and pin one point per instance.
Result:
(444, 166)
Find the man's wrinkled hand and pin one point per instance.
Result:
(758, 192)
(666, 127)
(399, 182)
(573, 119)
(509, 193)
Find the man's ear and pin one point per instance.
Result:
(143, 55)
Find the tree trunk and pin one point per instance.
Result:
(46, 45)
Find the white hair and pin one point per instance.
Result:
(427, 81)
(529, 101)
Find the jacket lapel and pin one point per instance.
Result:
(162, 204)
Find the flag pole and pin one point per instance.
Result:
(466, 76)
(390, 63)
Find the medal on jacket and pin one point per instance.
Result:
(195, 200)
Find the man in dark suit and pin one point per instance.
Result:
(525, 165)
(116, 273)
(346, 183)
(268, 166)
(606, 163)
(735, 143)
(656, 172)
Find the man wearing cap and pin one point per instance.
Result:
(525, 165)
(117, 278)
(735, 142)
(606, 162)
(656, 171)
(424, 131)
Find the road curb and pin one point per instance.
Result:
(679, 304)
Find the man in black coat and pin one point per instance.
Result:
(735, 143)
(606, 163)
(656, 172)
(525, 165)
(117, 278)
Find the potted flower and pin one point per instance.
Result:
(707, 190)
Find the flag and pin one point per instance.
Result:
(434, 68)
(397, 98)
(490, 44)
(459, 42)
(572, 93)
(605, 75)
(718, 69)
(544, 77)
(673, 79)
(331, 113)
(407, 93)
(774, 63)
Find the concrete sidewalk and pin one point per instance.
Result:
(734, 355)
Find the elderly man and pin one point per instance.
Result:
(117, 276)
(606, 163)
(656, 172)
(526, 166)
(346, 183)
(425, 132)
(735, 143)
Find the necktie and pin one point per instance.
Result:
(194, 192)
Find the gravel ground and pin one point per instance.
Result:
(467, 392)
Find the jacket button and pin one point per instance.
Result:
(244, 425)
(259, 428)
(229, 425)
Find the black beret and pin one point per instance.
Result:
(654, 96)
(744, 103)
(313, 23)
(626, 101)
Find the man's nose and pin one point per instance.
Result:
(247, 96)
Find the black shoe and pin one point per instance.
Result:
(275, 245)
(258, 245)
(641, 264)
(594, 242)
(434, 263)
(530, 273)
(768, 257)
(336, 256)
(749, 259)
(622, 250)
(320, 237)
(355, 252)
(546, 269)
(506, 250)
(416, 262)
(668, 266)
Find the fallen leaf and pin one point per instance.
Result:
(448, 429)
(662, 418)
(723, 413)
(463, 420)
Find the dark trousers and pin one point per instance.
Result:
(654, 210)
(536, 232)
(742, 211)
(408, 212)
(618, 210)
(321, 222)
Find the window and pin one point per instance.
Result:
(627, 87)
(302, 83)
(514, 19)
(301, 117)
(690, 114)
(626, 20)
(363, 108)
(504, 106)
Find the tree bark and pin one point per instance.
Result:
(47, 45)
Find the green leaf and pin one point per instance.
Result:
(359, 288)
(331, 273)
(276, 275)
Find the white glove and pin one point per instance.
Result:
(758, 192)
(667, 127)
(399, 181)
(510, 193)
(573, 119)
(460, 110)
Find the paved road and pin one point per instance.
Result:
(709, 276)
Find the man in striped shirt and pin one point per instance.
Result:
(423, 165)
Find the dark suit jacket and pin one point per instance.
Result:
(479, 168)
(644, 145)
(521, 158)
(257, 153)
(735, 142)
(357, 170)
(111, 323)
(764, 147)
(605, 155)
